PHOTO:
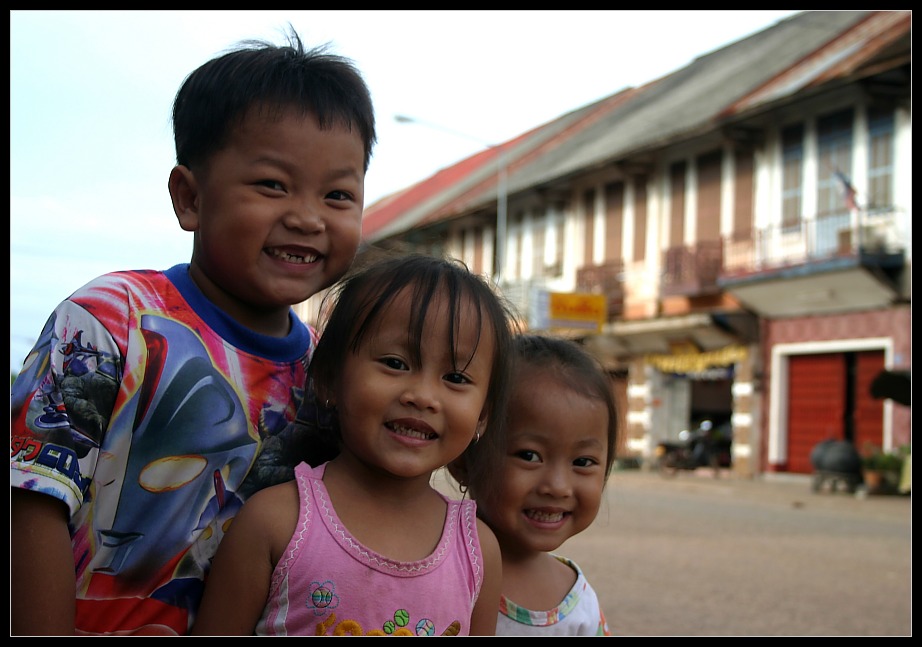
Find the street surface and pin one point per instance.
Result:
(697, 556)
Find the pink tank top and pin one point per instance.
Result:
(328, 584)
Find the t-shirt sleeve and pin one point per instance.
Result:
(61, 403)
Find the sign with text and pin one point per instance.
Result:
(570, 310)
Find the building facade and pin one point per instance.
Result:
(731, 240)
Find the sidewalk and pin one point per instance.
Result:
(694, 555)
(795, 490)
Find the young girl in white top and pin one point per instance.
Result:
(560, 440)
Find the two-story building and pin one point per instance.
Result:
(732, 240)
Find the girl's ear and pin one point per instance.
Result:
(184, 194)
(323, 396)
(481, 428)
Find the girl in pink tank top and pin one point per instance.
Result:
(412, 362)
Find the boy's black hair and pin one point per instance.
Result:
(363, 295)
(257, 74)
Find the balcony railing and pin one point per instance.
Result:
(607, 279)
(692, 270)
(838, 235)
(709, 267)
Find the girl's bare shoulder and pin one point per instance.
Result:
(269, 517)
(270, 504)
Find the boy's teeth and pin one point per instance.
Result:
(292, 258)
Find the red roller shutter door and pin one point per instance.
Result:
(816, 403)
(869, 413)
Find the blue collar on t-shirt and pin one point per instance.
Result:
(278, 349)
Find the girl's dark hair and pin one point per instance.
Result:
(366, 292)
(576, 368)
(217, 96)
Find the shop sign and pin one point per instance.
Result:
(690, 361)
(570, 310)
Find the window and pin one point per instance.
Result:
(677, 204)
(640, 219)
(614, 221)
(553, 265)
(515, 243)
(743, 194)
(792, 165)
(538, 234)
(478, 264)
(589, 220)
(547, 243)
(834, 166)
(880, 161)
(834, 151)
(708, 217)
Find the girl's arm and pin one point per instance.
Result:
(486, 609)
(237, 586)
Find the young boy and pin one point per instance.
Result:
(143, 406)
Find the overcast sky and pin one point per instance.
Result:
(91, 93)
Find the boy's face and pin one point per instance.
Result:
(553, 474)
(277, 215)
(408, 420)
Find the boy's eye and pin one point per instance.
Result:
(275, 185)
(338, 196)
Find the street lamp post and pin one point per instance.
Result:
(501, 189)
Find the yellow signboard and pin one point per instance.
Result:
(686, 361)
(576, 310)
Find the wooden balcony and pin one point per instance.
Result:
(692, 270)
(607, 279)
(841, 262)
(871, 239)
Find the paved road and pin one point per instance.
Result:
(698, 556)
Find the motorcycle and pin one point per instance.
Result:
(704, 447)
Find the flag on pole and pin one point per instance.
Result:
(848, 191)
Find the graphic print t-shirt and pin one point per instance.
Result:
(142, 407)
